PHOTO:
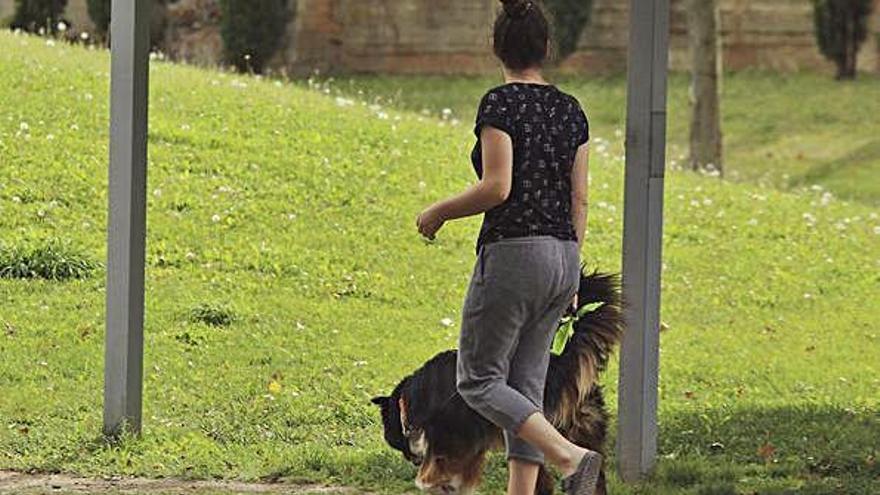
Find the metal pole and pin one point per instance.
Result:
(124, 340)
(642, 236)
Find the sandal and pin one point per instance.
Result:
(583, 481)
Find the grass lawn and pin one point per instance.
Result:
(291, 214)
(788, 131)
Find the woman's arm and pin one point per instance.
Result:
(579, 187)
(490, 191)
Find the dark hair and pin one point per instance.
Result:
(521, 34)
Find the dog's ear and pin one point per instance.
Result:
(380, 400)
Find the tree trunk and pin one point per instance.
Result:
(705, 41)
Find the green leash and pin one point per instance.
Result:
(566, 327)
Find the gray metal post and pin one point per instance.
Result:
(124, 340)
(642, 235)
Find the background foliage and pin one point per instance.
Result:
(252, 31)
(31, 15)
(570, 17)
(841, 28)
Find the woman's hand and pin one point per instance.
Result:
(430, 221)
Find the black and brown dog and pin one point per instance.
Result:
(426, 419)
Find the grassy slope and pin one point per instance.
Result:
(314, 247)
(786, 130)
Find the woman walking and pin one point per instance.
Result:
(531, 158)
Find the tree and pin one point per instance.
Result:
(705, 42)
(841, 28)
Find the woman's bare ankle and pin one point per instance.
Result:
(569, 462)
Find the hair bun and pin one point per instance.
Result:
(517, 8)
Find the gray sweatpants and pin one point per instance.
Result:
(519, 289)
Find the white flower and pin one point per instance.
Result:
(50, 42)
(24, 127)
(344, 102)
(215, 218)
(61, 26)
(360, 363)
(446, 322)
(447, 112)
(84, 36)
(877, 230)
(752, 221)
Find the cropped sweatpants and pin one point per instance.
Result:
(519, 289)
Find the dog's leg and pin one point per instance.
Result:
(545, 482)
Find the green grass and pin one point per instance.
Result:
(788, 131)
(290, 219)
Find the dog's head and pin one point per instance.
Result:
(428, 422)
(398, 433)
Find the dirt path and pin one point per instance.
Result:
(12, 482)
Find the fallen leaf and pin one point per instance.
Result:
(274, 387)
(766, 451)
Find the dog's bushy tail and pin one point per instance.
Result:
(596, 333)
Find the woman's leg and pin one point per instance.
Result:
(528, 374)
(495, 312)
(556, 448)
(523, 477)
(497, 306)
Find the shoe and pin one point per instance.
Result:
(583, 481)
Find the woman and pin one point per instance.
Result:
(531, 157)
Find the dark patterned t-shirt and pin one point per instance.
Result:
(546, 126)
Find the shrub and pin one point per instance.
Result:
(55, 260)
(213, 315)
(99, 12)
(252, 31)
(570, 17)
(841, 28)
(31, 15)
